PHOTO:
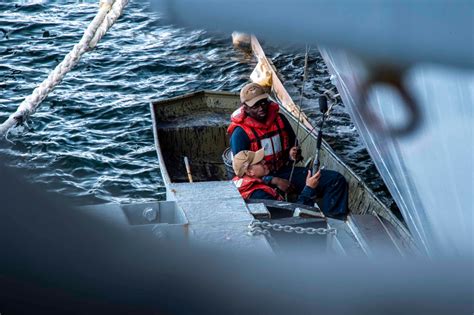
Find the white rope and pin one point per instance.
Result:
(109, 20)
(109, 12)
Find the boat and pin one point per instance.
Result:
(193, 127)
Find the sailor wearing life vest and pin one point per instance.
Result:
(250, 167)
(258, 124)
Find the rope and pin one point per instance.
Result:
(109, 20)
(109, 11)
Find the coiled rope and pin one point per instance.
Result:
(109, 12)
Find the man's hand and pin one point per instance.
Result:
(295, 154)
(313, 181)
(281, 183)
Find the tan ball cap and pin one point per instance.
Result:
(252, 93)
(244, 158)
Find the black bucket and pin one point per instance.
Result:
(227, 158)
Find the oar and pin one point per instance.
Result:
(323, 107)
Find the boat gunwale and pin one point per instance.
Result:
(163, 102)
(163, 169)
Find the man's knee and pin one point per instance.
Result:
(340, 180)
(335, 179)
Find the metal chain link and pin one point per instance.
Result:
(257, 227)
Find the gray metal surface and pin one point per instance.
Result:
(217, 215)
(405, 246)
(344, 242)
(231, 236)
(167, 222)
(213, 211)
(215, 191)
(372, 235)
(167, 212)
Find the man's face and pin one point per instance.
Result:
(259, 110)
(258, 170)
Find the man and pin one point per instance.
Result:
(250, 167)
(258, 124)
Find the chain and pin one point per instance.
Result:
(257, 227)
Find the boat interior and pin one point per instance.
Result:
(194, 126)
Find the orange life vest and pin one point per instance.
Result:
(247, 185)
(271, 134)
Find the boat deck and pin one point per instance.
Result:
(218, 219)
(192, 215)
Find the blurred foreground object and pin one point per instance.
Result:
(393, 32)
(56, 259)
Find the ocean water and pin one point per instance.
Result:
(91, 139)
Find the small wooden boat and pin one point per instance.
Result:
(194, 126)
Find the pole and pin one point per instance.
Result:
(188, 169)
(323, 107)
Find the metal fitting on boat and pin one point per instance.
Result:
(393, 77)
(150, 214)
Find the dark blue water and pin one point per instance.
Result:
(91, 139)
